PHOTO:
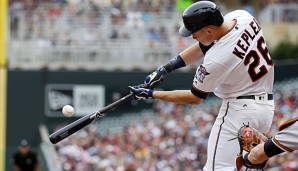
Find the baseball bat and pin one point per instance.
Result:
(85, 120)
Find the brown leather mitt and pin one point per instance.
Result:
(248, 138)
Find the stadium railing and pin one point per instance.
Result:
(279, 13)
(48, 151)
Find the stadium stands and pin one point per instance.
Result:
(93, 35)
(63, 36)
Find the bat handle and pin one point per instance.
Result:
(114, 105)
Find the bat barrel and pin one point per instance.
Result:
(71, 128)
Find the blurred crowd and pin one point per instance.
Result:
(50, 20)
(59, 30)
(79, 22)
(105, 24)
(176, 139)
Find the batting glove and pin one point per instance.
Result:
(140, 93)
(155, 78)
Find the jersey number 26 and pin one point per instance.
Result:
(255, 69)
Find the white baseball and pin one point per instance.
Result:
(68, 110)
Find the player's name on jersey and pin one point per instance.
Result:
(248, 35)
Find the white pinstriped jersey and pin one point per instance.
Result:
(238, 63)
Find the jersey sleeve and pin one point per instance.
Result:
(208, 76)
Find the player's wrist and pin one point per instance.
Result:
(246, 160)
(150, 93)
(174, 64)
(249, 164)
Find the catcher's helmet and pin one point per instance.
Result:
(199, 15)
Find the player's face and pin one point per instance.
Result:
(203, 35)
(24, 149)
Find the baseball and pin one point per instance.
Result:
(68, 110)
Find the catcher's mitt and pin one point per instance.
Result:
(248, 138)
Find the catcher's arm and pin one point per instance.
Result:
(257, 155)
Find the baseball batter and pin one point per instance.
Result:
(237, 67)
(286, 140)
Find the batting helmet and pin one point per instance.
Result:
(200, 15)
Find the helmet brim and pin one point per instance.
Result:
(184, 32)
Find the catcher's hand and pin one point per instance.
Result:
(243, 161)
(248, 138)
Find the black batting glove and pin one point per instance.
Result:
(155, 78)
(140, 93)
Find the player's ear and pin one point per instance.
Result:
(208, 30)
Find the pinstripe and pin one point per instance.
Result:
(217, 139)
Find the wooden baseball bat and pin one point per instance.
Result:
(85, 120)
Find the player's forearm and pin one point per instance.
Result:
(177, 96)
(192, 54)
(257, 155)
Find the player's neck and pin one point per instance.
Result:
(225, 28)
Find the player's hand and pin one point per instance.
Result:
(155, 78)
(243, 161)
(140, 93)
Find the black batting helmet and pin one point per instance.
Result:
(200, 15)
